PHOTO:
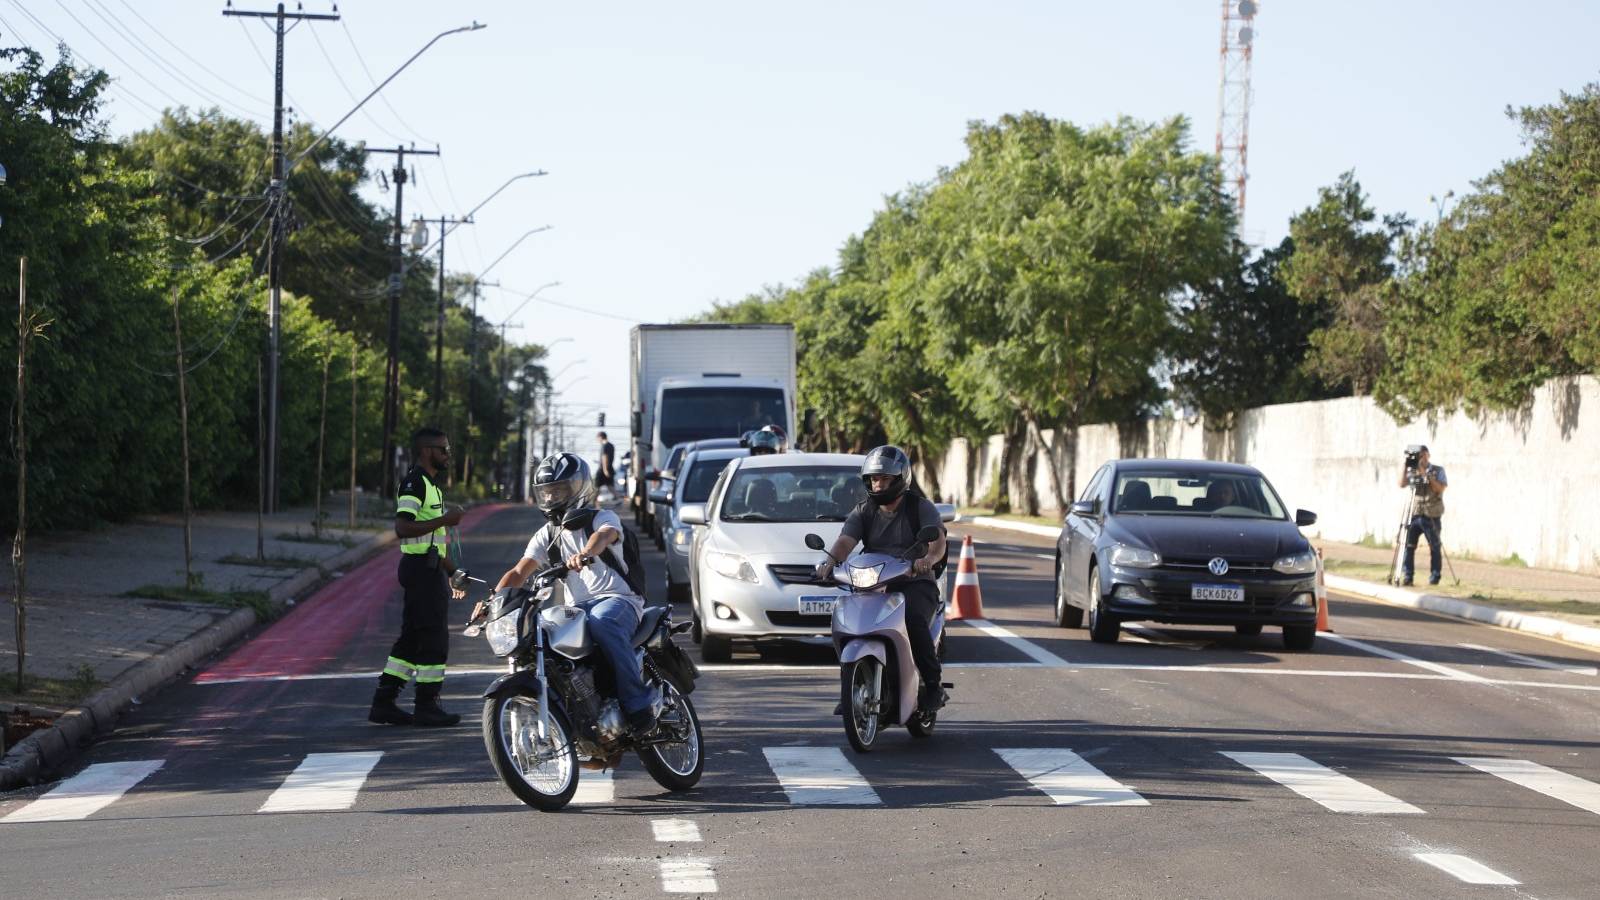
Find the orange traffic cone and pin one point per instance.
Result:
(1322, 597)
(968, 600)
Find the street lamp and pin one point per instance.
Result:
(444, 232)
(530, 300)
(472, 346)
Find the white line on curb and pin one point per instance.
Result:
(1571, 789)
(1465, 868)
(1534, 661)
(1314, 781)
(86, 793)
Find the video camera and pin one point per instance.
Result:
(1413, 476)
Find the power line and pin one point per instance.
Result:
(220, 80)
(126, 33)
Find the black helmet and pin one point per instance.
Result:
(562, 482)
(783, 437)
(887, 460)
(763, 442)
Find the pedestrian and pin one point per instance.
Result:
(1427, 483)
(606, 473)
(429, 578)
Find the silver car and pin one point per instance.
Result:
(749, 569)
(696, 475)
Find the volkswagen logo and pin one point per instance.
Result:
(1218, 566)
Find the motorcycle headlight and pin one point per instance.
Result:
(1299, 564)
(731, 565)
(864, 576)
(1134, 557)
(502, 633)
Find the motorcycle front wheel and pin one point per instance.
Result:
(676, 765)
(857, 681)
(542, 773)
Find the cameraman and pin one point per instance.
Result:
(1427, 482)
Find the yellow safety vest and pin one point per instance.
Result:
(431, 506)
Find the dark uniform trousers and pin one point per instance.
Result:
(922, 598)
(424, 640)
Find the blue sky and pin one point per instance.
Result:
(700, 150)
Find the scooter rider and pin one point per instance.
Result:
(887, 521)
(561, 487)
(764, 442)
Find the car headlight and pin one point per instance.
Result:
(502, 633)
(683, 535)
(731, 565)
(865, 576)
(1304, 563)
(1135, 557)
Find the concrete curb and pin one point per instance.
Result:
(48, 749)
(1008, 525)
(1544, 626)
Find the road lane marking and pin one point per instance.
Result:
(1034, 651)
(323, 781)
(1314, 781)
(86, 793)
(688, 876)
(1534, 661)
(1067, 779)
(1569, 789)
(1049, 556)
(1465, 868)
(819, 776)
(1446, 671)
(673, 830)
(595, 788)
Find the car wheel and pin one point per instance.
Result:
(1247, 630)
(1067, 615)
(715, 648)
(697, 632)
(1103, 626)
(1299, 638)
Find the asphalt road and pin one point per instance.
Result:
(1407, 756)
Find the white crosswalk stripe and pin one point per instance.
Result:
(819, 776)
(1465, 868)
(324, 781)
(1314, 781)
(595, 788)
(688, 876)
(86, 793)
(1555, 783)
(1066, 778)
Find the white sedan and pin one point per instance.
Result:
(749, 570)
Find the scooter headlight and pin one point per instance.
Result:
(502, 633)
(865, 576)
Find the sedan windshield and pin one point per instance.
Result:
(1222, 494)
(801, 494)
(701, 478)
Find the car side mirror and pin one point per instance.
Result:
(662, 497)
(1304, 517)
(928, 535)
(1086, 509)
(815, 542)
(653, 475)
(692, 514)
(947, 512)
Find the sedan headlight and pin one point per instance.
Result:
(1304, 563)
(865, 576)
(502, 633)
(731, 565)
(1134, 557)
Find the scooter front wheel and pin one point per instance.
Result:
(858, 691)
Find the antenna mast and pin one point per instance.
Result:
(1233, 95)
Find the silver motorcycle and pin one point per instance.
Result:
(559, 701)
(877, 675)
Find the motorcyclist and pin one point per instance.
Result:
(564, 491)
(764, 442)
(783, 436)
(888, 521)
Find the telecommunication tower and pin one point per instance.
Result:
(1233, 95)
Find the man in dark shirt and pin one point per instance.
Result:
(887, 522)
(606, 473)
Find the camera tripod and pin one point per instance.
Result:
(1395, 575)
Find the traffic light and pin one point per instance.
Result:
(602, 420)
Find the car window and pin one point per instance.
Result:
(800, 494)
(1199, 493)
(1091, 491)
(716, 489)
(699, 477)
(674, 457)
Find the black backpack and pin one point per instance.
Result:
(914, 498)
(634, 576)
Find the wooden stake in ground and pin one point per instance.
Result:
(261, 470)
(183, 425)
(322, 433)
(355, 354)
(19, 562)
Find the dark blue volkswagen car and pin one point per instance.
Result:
(1189, 542)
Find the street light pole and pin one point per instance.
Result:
(472, 346)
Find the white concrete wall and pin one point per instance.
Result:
(1526, 482)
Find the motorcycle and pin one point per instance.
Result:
(877, 676)
(559, 699)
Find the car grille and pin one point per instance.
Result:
(1202, 564)
(795, 620)
(791, 573)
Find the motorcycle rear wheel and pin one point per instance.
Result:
(677, 766)
(543, 774)
(855, 692)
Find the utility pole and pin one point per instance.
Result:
(445, 227)
(391, 378)
(278, 198)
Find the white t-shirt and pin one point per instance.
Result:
(595, 580)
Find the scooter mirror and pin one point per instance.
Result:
(929, 534)
(815, 542)
(915, 551)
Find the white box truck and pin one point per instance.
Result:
(692, 382)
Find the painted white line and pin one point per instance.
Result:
(1314, 781)
(1067, 779)
(1034, 651)
(595, 788)
(671, 830)
(1465, 868)
(323, 781)
(688, 876)
(86, 793)
(819, 776)
(1385, 652)
(1583, 794)
(1534, 661)
(1049, 556)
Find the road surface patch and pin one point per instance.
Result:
(1067, 779)
(1317, 782)
(819, 776)
(86, 793)
(324, 781)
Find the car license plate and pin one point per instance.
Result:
(817, 606)
(1231, 593)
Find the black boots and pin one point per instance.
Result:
(429, 713)
(384, 711)
(931, 697)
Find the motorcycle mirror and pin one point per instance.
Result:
(915, 551)
(815, 542)
(929, 534)
(579, 517)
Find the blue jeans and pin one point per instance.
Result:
(612, 621)
(1422, 525)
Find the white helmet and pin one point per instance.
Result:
(562, 482)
